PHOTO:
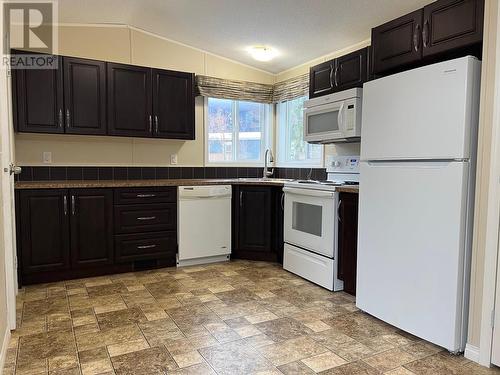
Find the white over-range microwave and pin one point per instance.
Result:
(333, 118)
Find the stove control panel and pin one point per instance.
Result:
(342, 164)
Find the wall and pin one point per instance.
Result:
(484, 231)
(129, 45)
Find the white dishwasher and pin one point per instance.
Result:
(204, 224)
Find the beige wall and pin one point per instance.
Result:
(130, 45)
(486, 126)
(133, 46)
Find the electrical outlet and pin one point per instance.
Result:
(173, 159)
(47, 157)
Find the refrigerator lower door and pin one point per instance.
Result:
(413, 236)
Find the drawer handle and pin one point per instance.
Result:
(146, 247)
(146, 218)
(146, 195)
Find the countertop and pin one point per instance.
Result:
(75, 184)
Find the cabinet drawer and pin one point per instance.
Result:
(145, 218)
(130, 247)
(145, 195)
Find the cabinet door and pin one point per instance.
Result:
(452, 24)
(279, 217)
(398, 42)
(348, 240)
(321, 79)
(39, 99)
(91, 227)
(85, 96)
(351, 70)
(254, 219)
(44, 230)
(173, 104)
(129, 100)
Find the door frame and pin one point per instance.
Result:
(492, 192)
(7, 192)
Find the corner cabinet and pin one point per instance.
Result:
(257, 223)
(441, 30)
(92, 97)
(342, 73)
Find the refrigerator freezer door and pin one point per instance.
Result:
(411, 247)
(425, 113)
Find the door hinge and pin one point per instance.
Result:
(15, 262)
(493, 318)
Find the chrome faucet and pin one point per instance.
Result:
(268, 173)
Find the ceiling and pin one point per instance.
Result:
(300, 30)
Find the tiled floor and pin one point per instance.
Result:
(231, 318)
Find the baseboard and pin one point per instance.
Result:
(472, 353)
(3, 351)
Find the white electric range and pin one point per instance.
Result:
(311, 222)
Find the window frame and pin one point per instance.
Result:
(281, 144)
(268, 116)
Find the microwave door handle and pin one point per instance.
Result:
(340, 118)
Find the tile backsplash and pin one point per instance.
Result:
(38, 173)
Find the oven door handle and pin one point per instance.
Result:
(309, 192)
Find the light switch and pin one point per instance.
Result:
(47, 157)
(173, 159)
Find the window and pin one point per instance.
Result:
(292, 149)
(236, 131)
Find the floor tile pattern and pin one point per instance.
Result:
(231, 318)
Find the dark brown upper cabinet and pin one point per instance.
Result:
(398, 42)
(352, 70)
(441, 30)
(321, 79)
(84, 96)
(91, 227)
(129, 100)
(342, 73)
(451, 24)
(44, 232)
(39, 99)
(173, 104)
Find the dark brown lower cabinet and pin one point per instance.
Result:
(348, 240)
(44, 231)
(69, 233)
(256, 223)
(91, 227)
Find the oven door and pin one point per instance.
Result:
(310, 220)
(324, 122)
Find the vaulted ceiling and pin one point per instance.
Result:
(300, 30)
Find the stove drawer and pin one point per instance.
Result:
(313, 267)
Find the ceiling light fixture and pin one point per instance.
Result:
(262, 53)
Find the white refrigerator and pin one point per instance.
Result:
(418, 151)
